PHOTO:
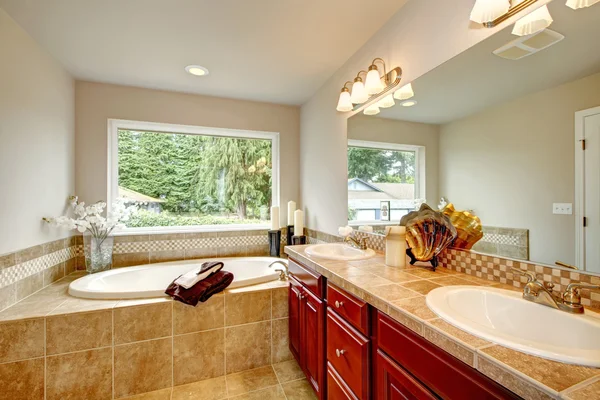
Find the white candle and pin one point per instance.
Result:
(275, 218)
(291, 209)
(298, 223)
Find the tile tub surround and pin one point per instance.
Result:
(400, 293)
(64, 347)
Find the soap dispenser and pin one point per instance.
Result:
(395, 246)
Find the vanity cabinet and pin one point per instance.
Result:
(307, 324)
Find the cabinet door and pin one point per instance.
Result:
(393, 383)
(295, 293)
(313, 352)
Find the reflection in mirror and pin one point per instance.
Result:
(500, 135)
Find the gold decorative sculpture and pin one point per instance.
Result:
(428, 233)
(468, 227)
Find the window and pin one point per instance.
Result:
(193, 178)
(384, 180)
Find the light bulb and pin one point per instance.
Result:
(408, 103)
(359, 94)
(577, 4)
(538, 20)
(386, 102)
(404, 93)
(373, 84)
(371, 110)
(344, 103)
(488, 10)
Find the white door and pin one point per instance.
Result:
(589, 131)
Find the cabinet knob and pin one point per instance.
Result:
(338, 304)
(339, 352)
(301, 296)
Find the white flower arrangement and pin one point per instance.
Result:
(90, 218)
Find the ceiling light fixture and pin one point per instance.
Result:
(344, 102)
(408, 103)
(196, 70)
(405, 92)
(373, 109)
(577, 4)
(373, 83)
(538, 20)
(386, 102)
(490, 13)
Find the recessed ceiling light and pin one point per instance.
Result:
(408, 103)
(196, 70)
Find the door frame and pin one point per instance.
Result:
(580, 117)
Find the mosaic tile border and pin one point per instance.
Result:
(505, 242)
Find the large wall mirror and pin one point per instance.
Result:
(497, 130)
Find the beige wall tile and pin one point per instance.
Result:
(259, 250)
(280, 350)
(198, 356)
(56, 245)
(200, 235)
(132, 238)
(81, 331)
(251, 380)
(208, 389)
(143, 367)
(23, 380)
(8, 296)
(202, 252)
(231, 251)
(205, 316)
(163, 394)
(71, 265)
(7, 260)
(288, 371)
(82, 375)
(30, 285)
(271, 393)
(130, 259)
(299, 390)
(279, 302)
(21, 339)
(167, 255)
(29, 254)
(243, 308)
(248, 346)
(54, 273)
(144, 322)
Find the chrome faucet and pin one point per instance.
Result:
(541, 293)
(360, 244)
(283, 273)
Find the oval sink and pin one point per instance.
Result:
(503, 317)
(339, 251)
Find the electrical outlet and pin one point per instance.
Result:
(562, 208)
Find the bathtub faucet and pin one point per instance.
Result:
(283, 273)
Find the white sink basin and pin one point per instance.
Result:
(503, 317)
(339, 251)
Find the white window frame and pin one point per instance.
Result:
(420, 171)
(113, 168)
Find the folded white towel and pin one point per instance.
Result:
(194, 276)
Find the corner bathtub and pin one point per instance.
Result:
(152, 280)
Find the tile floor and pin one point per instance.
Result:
(282, 381)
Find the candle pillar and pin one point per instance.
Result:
(291, 209)
(298, 237)
(275, 233)
(395, 246)
(275, 218)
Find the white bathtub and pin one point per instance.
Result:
(152, 280)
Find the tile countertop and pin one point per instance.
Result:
(400, 293)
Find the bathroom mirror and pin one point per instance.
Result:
(493, 131)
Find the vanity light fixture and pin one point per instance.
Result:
(577, 4)
(373, 83)
(408, 103)
(485, 11)
(196, 70)
(344, 102)
(405, 92)
(373, 109)
(359, 93)
(536, 21)
(386, 102)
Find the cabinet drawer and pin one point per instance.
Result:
(433, 366)
(348, 353)
(312, 280)
(354, 310)
(393, 382)
(337, 389)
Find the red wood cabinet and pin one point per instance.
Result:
(337, 389)
(394, 383)
(295, 291)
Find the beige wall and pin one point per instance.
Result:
(96, 103)
(37, 139)
(362, 127)
(511, 162)
(420, 36)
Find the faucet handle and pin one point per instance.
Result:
(531, 276)
(572, 296)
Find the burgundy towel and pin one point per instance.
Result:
(202, 290)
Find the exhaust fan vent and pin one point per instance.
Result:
(528, 45)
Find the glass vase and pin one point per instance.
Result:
(98, 253)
